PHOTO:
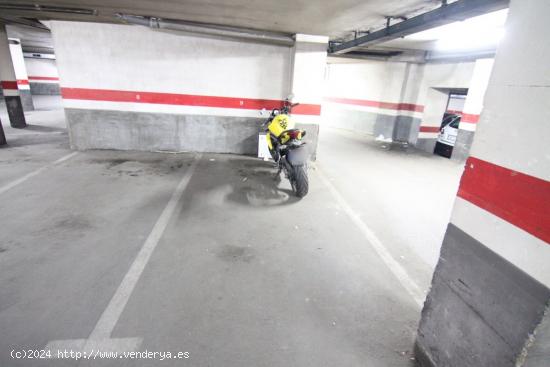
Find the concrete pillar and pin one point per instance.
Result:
(2, 135)
(490, 288)
(309, 60)
(472, 108)
(9, 83)
(21, 74)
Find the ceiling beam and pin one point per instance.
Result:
(28, 22)
(445, 14)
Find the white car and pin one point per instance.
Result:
(449, 131)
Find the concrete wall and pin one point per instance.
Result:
(398, 100)
(43, 76)
(491, 286)
(21, 74)
(130, 87)
(368, 97)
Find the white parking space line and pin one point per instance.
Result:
(398, 271)
(14, 183)
(110, 316)
(100, 337)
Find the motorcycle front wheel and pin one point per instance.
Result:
(300, 182)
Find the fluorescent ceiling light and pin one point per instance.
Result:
(481, 32)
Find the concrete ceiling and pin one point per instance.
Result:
(334, 18)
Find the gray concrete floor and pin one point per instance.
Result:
(243, 275)
(404, 195)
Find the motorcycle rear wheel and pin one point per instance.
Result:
(300, 181)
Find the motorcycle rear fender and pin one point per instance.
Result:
(297, 156)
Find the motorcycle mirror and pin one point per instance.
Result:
(290, 97)
(262, 112)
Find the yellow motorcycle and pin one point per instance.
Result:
(287, 148)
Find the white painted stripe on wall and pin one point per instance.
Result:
(11, 92)
(159, 108)
(468, 126)
(307, 119)
(525, 251)
(427, 135)
(384, 111)
(24, 86)
(43, 81)
(174, 109)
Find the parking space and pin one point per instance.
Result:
(241, 273)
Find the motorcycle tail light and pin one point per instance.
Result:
(295, 134)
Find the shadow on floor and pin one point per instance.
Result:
(232, 179)
(261, 186)
(45, 129)
(219, 178)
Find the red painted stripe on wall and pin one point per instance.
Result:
(378, 104)
(53, 78)
(519, 199)
(471, 118)
(307, 109)
(429, 129)
(183, 99)
(8, 84)
(22, 82)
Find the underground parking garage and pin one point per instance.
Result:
(311, 183)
